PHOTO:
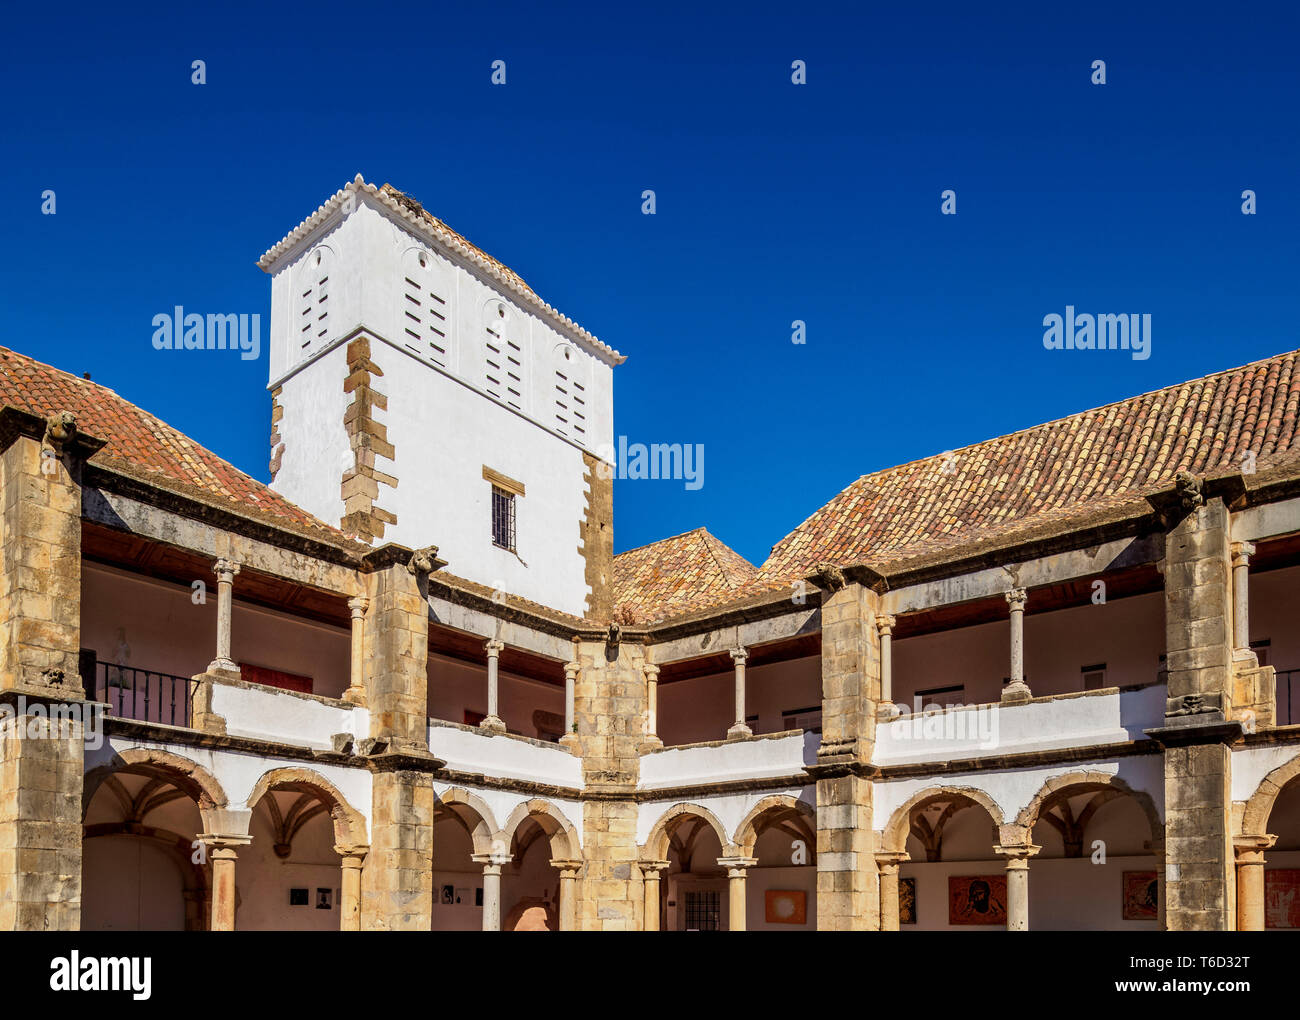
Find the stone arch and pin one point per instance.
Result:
(656, 845)
(194, 878)
(471, 811)
(563, 837)
(899, 825)
(747, 830)
(349, 823)
(191, 777)
(1073, 783)
(1254, 820)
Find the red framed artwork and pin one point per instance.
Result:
(785, 906)
(1140, 896)
(1282, 898)
(977, 899)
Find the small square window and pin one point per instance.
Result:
(503, 518)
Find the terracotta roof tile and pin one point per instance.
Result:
(145, 446)
(676, 574)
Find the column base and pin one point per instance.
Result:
(1016, 693)
(739, 732)
(493, 724)
(887, 711)
(571, 743)
(649, 743)
(355, 696)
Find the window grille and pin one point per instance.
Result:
(503, 518)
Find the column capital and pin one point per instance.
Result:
(891, 859)
(1250, 849)
(1241, 553)
(353, 855)
(571, 670)
(885, 623)
(653, 867)
(651, 672)
(737, 864)
(567, 869)
(1018, 855)
(740, 655)
(491, 860)
(358, 604)
(1016, 598)
(493, 647)
(225, 569)
(228, 842)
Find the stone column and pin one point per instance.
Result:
(569, 738)
(356, 692)
(888, 861)
(650, 879)
(350, 906)
(1250, 880)
(222, 850)
(42, 759)
(886, 708)
(740, 729)
(492, 723)
(568, 906)
(652, 739)
(491, 888)
(736, 869)
(225, 570)
(1017, 690)
(1241, 553)
(1018, 883)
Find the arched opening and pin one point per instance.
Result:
(463, 827)
(693, 889)
(780, 834)
(1275, 811)
(952, 879)
(142, 866)
(531, 884)
(1096, 870)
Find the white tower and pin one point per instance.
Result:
(424, 394)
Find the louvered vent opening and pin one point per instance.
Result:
(313, 321)
(425, 322)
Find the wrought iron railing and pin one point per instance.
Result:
(143, 694)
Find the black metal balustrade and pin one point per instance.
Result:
(144, 694)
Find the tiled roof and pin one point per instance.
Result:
(676, 574)
(1053, 472)
(435, 230)
(145, 447)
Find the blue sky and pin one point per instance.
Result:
(775, 202)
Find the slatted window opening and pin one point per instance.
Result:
(424, 309)
(313, 319)
(503, 518)
(570, 397)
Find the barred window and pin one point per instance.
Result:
(503, 518)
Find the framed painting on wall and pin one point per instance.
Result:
(785, 906)
(1282, 898)
(907, 901)
(977, 899)
(1141, 896)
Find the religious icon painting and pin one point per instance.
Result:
(977, 899)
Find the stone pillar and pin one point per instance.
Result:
(740, 729)
(491, 889)
(736, 869)
(570, 739)
(652, 739)
(1241, 553)
(356, 692)
(609, 704)
(568, 906)
(1250, 880)
(1198, 730)
(1017, 883)
(225, 570)
(848, 881)
(492, 723)
(221, 849)
(888, 861)
(42, 754)
(397, 882)
(885, 624)
(1017, 690)
(650, 878)
(350, 906)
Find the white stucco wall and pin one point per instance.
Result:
(470, 750)
(762, 758)
(445, 416)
